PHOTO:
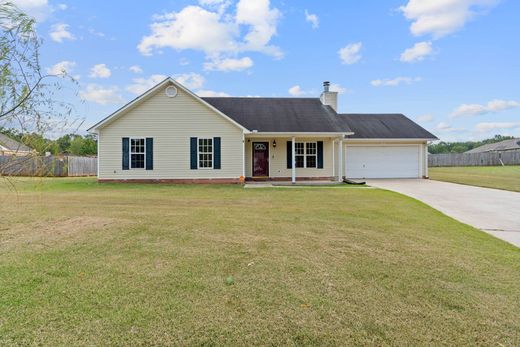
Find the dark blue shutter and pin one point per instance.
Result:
(289, 154)
(216, 153)
(149, 153)
(320, 154)
(126, 153)
(193, 153)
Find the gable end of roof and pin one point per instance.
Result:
(118, 113)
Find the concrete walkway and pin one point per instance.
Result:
(494, 211)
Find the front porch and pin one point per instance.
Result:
(294, 157)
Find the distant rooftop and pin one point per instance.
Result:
(12, 145)
(506, 145)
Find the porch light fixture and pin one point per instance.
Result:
(274, 143)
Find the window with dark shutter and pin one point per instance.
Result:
(137, 153)
(193, 153)
(289, 154)
(126, 153)
(216, 153)
(149, 153)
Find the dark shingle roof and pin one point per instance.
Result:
(384, 126)
(13, 145)
(280, 114)
(505, 145)
(310, 115)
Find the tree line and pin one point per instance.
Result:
(73, 144)
(461, 147)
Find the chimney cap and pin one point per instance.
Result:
(326, 86)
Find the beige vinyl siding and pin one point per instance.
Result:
(171, 122)
(278, 158)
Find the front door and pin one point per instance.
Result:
(261, 159)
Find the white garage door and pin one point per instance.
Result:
(382, 161)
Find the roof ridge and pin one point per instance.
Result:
(260, 97)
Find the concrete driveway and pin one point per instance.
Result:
(494, 211)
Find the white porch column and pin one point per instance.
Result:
(333, 158)
(341, 164)
(426, 159)
(293, 160)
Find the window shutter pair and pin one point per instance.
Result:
(319, 154)
(194, 142)
(126, 153)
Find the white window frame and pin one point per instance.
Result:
(212, 153)
(305, 155)
(130, 153)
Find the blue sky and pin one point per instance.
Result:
(451, 65)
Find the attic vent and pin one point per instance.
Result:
(171, 92)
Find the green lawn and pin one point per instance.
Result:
(499, 177)
(89, 264)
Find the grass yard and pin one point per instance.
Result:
(115, 264)
(499, 177)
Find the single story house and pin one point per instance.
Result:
(10, 147)
(502, 146)
(169, 134)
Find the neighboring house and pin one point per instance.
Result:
(502, 146)
(170, 134)
(10, 147)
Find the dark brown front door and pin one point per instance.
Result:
(261, 159)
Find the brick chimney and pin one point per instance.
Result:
(329, 98)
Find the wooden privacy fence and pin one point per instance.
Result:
(82, 166)
(475, 159)
(38, 166)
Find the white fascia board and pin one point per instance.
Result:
(387, 140)
(291, 134)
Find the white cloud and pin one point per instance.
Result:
(191, 28)
(424, 118)
(141, 85)
(313, 19)
(100, 71)
(229, 64)
(442, 17)
(190, 80)
(445, 127)
(60, 32)
(491, 107)
(94, 32)
(394, 81)
(101, 95)
(211, 93)
(262, 21)
(135, 69)
(350, 53)
(417, 53)
(296, 91)
(217, 33)
(39, 9)
(61, 68)
(489, 126)
(334, 87)
(62, 7)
